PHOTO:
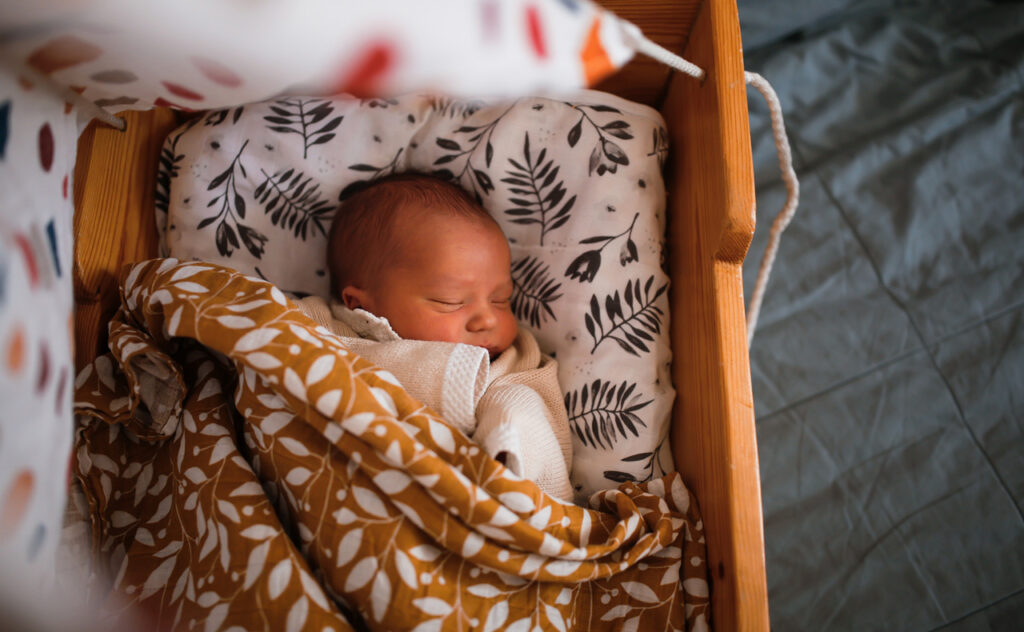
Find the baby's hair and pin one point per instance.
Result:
(362, 238)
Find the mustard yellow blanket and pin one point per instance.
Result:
(244, 469)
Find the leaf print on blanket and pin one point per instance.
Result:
(378, 172)
(232, 209)
(294, 202)
(632, 332)
(216, 117)
(537, 181)
(606, 156)
(585, 266)
(346, 487)
(300, 116)
(652, 466)
(601, 413)
(533, 291)
(167, 170)
(479, 181)
(451, 108)
(659, 145)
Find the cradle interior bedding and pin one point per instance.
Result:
(234, 453)
(575, 184)
(889, 359)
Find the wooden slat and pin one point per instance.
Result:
(711, 224)
(663, 22)
(114, 223)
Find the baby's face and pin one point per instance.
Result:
(450, 282)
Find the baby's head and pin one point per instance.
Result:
(420, 252)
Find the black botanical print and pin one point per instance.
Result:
(601, 413)
(293, 201)
(585, 266)
(479, 182)
(302, 117)
(659, 145)
(216, 117)
(536, 181)
(378, 102)
(533, 291)
(451, 108)
(167, 170)
(378, 172)
(631, 332)
(606, 155)
(650, 459)
(232, 209)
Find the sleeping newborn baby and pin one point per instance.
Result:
(423, 277)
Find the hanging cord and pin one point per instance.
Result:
(792, 197)
(667, 57)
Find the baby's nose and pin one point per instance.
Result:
(483, 319)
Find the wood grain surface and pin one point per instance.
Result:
(711, 224)
(115, 179)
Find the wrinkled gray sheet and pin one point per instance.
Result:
(888, 365)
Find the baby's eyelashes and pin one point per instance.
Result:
(446, 305)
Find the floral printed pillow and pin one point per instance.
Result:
(575, 183)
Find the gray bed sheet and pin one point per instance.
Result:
(888, 363)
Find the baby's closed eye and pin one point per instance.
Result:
(447, 304)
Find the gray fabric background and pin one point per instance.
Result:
(888, 364)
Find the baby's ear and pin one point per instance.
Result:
(354, 297)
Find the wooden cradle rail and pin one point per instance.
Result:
(711, 201)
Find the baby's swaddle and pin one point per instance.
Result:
(511, 407)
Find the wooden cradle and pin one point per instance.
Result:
(711, 201)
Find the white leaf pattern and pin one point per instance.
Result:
(297, 615)
(236, 322)
(263, 361)
(433, 606)
(442, 436)
(259, 532)
(216, 617)
(313, 590)
(486, 591)
(320, 369)
(370, 502)
(497, 616)
(229, 511)
(349, 546)
(521, 625)
(279, 577)
(696, 586)
(380, 595)
(406, 570)
(391, 481)
(254, 566)
(361, 574)
(555, 617)
(640, 592)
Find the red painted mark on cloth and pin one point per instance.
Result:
(30, 261)
(370, 67)
(164, 103)
(46, 146)
(534, 28)
(182, 91)
(216, 72)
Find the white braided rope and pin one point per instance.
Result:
(792, 198)
(649, 48)
(667, 57)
